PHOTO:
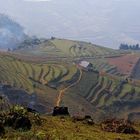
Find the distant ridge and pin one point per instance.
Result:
(56, 47)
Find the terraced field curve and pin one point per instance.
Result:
(27, 75)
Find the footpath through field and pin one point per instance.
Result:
(62, 91)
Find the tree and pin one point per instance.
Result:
(53, 38)
(9, 49)
(129, 47)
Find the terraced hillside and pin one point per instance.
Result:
(102, 93)
(64, 48)
(27, 75)
(108, 95)
(81, 49)
(123, 65)
(93, 94)
(68, 50)
(102, 64)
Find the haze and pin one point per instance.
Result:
(104, 22)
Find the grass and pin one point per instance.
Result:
(126, 88)
(57, 128)
(68, 48)
(78, 49)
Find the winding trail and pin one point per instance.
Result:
(62, 91)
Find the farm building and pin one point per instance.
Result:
(85, 65)
(58, 111)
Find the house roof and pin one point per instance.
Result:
(84, 63)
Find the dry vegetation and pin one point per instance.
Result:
(17, 123)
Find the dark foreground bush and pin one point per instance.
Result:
(18, 118)
(2, 130)
(118, 126)
(18, 122)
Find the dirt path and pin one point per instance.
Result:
(62, 91)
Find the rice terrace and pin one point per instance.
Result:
(54, 77)
(94, 79)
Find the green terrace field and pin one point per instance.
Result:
(106, 95)
(65, 48)
(69, 51)
(101, 64)
(27, 75)
(78, 49)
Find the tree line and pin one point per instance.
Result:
(129, 47)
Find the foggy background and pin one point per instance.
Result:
(103, 22)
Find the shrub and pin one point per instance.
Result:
(118, 126)
(18, 118)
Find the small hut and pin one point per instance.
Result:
(85, 65)
(58, 111)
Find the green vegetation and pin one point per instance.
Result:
(100, 92)
(82, 49)
(57, 128)
(107, 94)
(95, 94)
(47, 68)
(71, 51)
(66, 48)
(27, 75)
(129, 47)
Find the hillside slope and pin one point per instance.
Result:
(93, 94)
(106, 96)
(64, 48)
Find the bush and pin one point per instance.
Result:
(2, 130)
(118, 126)
(18, 118)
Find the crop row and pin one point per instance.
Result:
(106, 91)
(21, 74)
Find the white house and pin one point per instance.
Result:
(86, 65)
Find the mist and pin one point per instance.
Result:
(104, 22)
